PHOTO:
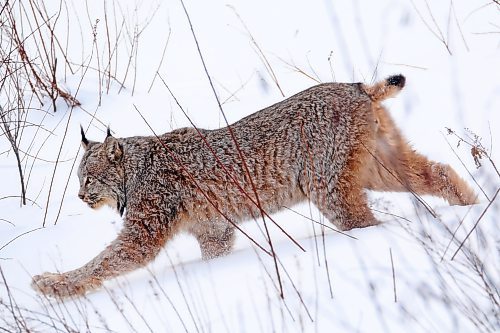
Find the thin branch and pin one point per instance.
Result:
(18, 236)
(233, 137)
(321, 224)
(179, 163)
(393, 277)
(477, 222)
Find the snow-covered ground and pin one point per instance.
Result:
(396, 277)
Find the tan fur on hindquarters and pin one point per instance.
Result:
(396, 166)
(325, 144)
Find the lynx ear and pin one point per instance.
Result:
(113, 149)
(85, 142)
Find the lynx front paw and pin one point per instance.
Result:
(358, 223)
(62, 285)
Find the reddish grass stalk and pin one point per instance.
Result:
(179, 163)
(224, 168)
(243, 161)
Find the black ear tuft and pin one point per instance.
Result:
(114, 149)
(85, 142)
(108, 132)
(396, 80)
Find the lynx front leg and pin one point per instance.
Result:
(216, 238)
(343, 201)
(137, 244)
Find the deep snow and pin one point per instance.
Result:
(331, 40)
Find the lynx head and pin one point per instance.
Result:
(101, 173)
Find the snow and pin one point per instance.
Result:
(338, 283)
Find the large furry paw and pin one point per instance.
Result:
(453, 188)
(62, 285)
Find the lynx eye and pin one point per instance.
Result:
(89, 180)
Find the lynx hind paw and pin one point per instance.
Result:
(61, 285)
(454, 189)
(461, 199)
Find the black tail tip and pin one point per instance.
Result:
(396, 80)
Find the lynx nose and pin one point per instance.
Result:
(81, 195)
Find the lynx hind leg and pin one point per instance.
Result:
(216, 238)
(396, 166)
(401, 168)
(442, 181)
(421, 176)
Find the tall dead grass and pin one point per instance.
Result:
(31, 59)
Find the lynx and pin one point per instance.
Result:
(326, 144)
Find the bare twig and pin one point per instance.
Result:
(260, 53)
(438, 34)
(393, 277)
(321, 224)
(176, 159)
(162, 57)
(245, 166)
(224, 168)
(18, 236)
(477, 222)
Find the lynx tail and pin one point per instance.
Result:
(386, 88)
